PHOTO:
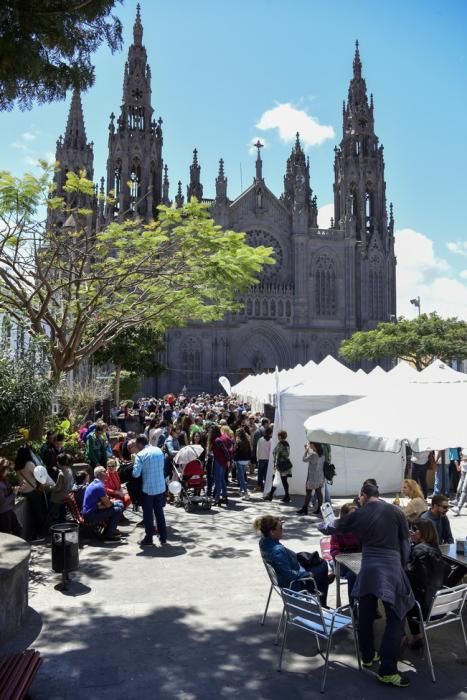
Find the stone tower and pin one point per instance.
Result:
(73, 153)
(135, 141)
(360, 208)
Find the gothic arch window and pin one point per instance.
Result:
(257, 308)
(369, 207)
(135, 185)
(190, 356)
(375, 288)
(117, 180)
(273, 308)
(325, 286)
(265, 308)
(288, 309)
(280, 307)
(249, 307)
(256, 238)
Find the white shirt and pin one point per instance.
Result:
(263, 448)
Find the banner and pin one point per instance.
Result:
(224, 382)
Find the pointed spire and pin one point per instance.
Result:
(138, 28)
(357, 64)
(179, 199)
(259, 162)
(195, 188)
(298, 145)
(221, 183)
(165, 187)
(75, 133)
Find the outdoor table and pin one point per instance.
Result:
(449, 552)
(352, 562)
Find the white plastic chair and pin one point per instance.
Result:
(303, 610)
(446, 607)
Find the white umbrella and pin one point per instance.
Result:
(428, 416)
(188, 454)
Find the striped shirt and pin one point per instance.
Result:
(149, 464)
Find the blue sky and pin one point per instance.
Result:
(221, 69)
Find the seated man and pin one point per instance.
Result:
(98, 507)
(438, 516)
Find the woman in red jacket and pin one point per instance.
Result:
(113, 485)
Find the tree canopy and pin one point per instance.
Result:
(46, 47)
(419, 341)
(76, 290)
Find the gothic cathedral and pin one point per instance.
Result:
(326, 283)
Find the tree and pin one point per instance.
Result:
(78, 397)
(133, 350)
(24, 391)
(77, 290)
(419, 341)
(46, 47)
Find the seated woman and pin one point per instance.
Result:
(63, 486)
(113, 485)
(79, 487)
(285, 562)
(345, 543)
(416, 504)
(426, 571)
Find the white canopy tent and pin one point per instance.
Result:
(331, 384)
(428, 416)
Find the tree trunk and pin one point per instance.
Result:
(118, 370)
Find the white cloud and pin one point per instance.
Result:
(324, 215)
(288, 120)
(252, 150)
(457, 247)
(29, 135)
(421, 273)
(19, 146)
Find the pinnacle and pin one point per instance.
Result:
(75, 133)
(138, 27)
(357, 64)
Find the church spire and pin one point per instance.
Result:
(195, 188)
(179, 199)
(138, 27)
(297, 190)
(357, 64)
(221, 184)
(75, 132)
(135, 141)
(165, 187)
(259, 163)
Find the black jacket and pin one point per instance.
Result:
(426, 570)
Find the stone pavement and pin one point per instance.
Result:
(182, 622)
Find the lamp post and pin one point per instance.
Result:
(416, 302)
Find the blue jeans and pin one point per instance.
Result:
(241, 475)
(219, 481)
(154, 503)
(438, 487)
(110, 515)
(209, 466)
(262, 471)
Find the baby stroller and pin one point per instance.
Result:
(193, 481)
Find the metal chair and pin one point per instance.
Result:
(446, 607)
(303, 610)
(275, 587)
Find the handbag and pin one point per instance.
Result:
(284, 465)
(277, 480)
(309, 560)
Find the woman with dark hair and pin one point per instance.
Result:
(282, 465)
(219, 444)
(315, 477)
(284, 561)
(426, 570)
(242, 459)
(25, 463)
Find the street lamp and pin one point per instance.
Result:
(416, 302)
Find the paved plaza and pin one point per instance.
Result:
(183, 621)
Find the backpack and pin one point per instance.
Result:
(329, 471)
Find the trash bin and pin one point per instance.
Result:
(65, 547)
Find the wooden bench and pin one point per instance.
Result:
(17, 672)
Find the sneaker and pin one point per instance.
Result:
(108, 539)
(455, 511)
(374, 660)
(145, 543)
(395, 679)
(286, 499)
(302, 511)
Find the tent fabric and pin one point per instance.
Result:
(439, 371)
(427, 416)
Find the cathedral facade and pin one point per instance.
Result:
(325, 284)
